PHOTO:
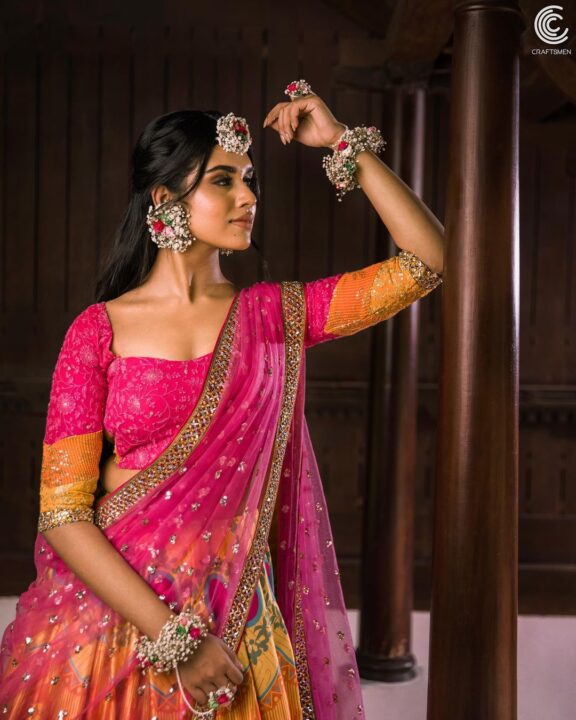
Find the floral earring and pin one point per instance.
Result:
(168, 226)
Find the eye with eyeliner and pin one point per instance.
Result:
(250, 180)
(220, 179)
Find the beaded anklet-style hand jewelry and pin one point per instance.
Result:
(341, 166)
(179, 638)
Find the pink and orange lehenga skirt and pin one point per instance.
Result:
(269, 689)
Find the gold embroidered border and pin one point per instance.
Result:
(301, 658)
(294, 327)
(133, 490)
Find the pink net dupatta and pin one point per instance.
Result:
(308, 586)
(194, 524)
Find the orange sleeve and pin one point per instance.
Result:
(365, 297)
(69, 475)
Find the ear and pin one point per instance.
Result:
(160, 194)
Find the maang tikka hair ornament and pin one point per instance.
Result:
(233, 134)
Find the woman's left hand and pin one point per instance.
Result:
(306, 119)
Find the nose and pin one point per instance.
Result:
(246, 196)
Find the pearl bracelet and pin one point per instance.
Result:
(179, 638)
(341, 165)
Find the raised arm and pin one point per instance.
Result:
(345, 304)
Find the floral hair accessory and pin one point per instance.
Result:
(298, 88)
(233, 134)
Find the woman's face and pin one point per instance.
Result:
(223, 195)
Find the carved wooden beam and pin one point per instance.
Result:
(407, 42)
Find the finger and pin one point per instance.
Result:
(284, 123)
(222, 680)
(277, 121)
(235, 660)
(289, 119)
(273, 114)
(234, 674)
(199, 695)
(287, 122)
(294, 113)
(268, 117)
(281, 127)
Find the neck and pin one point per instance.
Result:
(188, 276)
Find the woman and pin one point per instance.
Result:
(159, 600)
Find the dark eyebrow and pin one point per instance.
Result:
(228, 168)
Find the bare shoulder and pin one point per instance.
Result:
(132, 298)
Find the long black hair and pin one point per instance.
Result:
(167, 151)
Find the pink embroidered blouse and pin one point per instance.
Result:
(141, 402)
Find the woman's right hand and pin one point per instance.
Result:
(213, 665)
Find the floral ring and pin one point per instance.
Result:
(220, 697)
(298, 88)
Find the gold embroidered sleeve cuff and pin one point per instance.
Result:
(423, 275)
(54, 518)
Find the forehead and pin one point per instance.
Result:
(219, 156)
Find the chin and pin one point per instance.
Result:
(244, 247)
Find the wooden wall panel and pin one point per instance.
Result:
(78, 84)
(313, 239)
(203, 76)
(21, 198)
(149, 96)
(278, 212)
(178, 50)
(53, 190)
(252, 103)
(84, 167)
(115, 132)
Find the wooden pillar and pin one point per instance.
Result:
(474, 598)
(385, 633)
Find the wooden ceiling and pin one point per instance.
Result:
(410, 41)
